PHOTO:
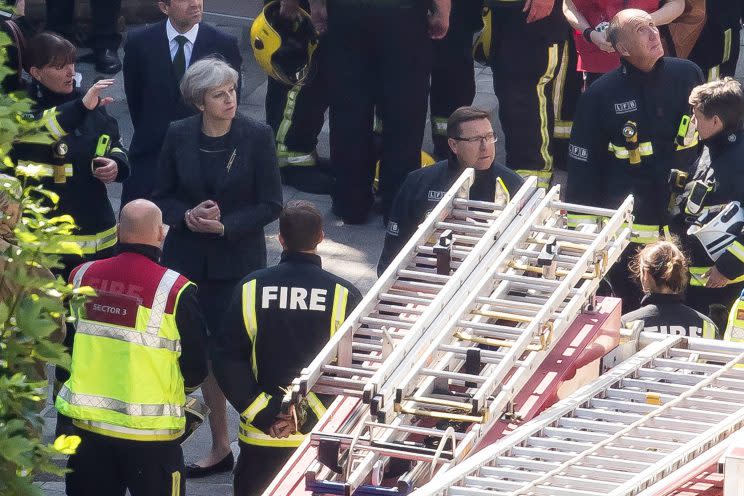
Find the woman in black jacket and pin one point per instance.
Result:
(86, 152)
(662, 270)
(218, 186)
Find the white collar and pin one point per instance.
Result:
(171, 32)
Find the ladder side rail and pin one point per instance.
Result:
(491, 243)
(445, 479)
(310, 374)
(410, 381)
(541, 214)
(703, 442)
(418, 353)
(615, 246)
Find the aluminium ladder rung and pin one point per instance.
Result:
(418, 292)
(542, 307)
(617, 435)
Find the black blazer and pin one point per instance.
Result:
(151, 88)
(249, 196)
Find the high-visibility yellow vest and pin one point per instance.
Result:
(125, 378)
(735, 325)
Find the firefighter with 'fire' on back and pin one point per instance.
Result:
(278, 321)
(138, 344)
(631, 129)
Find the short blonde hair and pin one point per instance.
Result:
(203, 75)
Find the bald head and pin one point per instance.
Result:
(635, 37)
(141, 222)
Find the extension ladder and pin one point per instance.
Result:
(457, 235)
(671, 401)
(459, 378)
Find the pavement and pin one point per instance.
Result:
(351, 252)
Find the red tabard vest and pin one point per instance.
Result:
(123, 283)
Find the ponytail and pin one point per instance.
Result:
(666, 265)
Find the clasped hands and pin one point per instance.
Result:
(205, 218)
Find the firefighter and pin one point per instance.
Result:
(80, 162)
(379, 54)
(138, 343)
(452, 75)
(718, 111)
(629, 132)
(295, 110)
(472, 144)
(526, 40)
(717, 48)
(277, 322)
(662, 271)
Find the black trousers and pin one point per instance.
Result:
(296, 114)
(717, 51)
(379, 56)
(104, 465)
(566, 92)
(105, 16)
(524, 66)
(256, 468)
(452, 74)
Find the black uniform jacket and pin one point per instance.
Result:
(422, 190)
(189, 320)
(665, 313)
(725, 156)
(82, 195)
(248, 193)
(600, 172)
(294, 303)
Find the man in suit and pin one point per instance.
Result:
(155, 59)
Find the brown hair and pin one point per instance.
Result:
(48, 49)
(723, 98)
(665, 263)
(300, 225)
(461, 115)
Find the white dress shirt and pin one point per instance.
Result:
(190, 35)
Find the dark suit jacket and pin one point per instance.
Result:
(249, 196)
(153, 96)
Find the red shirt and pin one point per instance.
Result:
(591, 58)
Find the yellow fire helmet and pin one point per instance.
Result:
(284, 47)
(482, 44)
(426, 161)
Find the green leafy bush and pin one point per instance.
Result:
(32, 312)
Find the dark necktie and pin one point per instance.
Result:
(179, 61)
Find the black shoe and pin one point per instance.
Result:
(194, 471)
(308, 179)
(107, 61)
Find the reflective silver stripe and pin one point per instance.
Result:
(80, 273)
(127, 335)
(126, 432)
(161, 298)
(49, 118)
(132, 409)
